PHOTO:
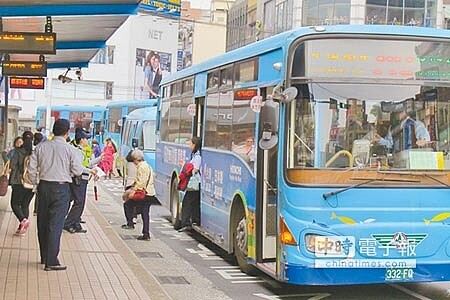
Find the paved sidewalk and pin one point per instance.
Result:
(99, 264)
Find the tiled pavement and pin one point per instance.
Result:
(99, 264)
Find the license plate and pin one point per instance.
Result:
(399, 274)
(335, 246)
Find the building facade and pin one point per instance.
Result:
(115, 72)
(275, 16)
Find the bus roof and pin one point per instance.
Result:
(141, 102)
(285, 38)
(145, 113)
(94, 108)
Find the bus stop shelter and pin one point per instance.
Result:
(82, 28)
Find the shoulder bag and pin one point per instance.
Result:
(140, 194)
(26, 182)
(4, 179)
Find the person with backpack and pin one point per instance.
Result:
(21, 196)
(38, 137)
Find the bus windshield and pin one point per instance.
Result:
(373, 104)
(370, 126)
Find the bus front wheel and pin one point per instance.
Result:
(240, 245)
(174, 203)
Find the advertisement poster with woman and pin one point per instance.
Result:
(151, 66)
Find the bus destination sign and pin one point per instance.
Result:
(28, 42)
(24, 68)
(37, 83)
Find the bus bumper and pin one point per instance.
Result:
(346, 276)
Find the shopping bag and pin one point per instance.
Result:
(194, 183)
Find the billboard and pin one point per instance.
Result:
(168, 8)
(150, 68)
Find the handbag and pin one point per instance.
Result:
(4, 182)
(140, 194)
(194, 183)
(137, 195)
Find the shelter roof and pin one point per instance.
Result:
(82, 27)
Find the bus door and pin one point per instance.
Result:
(266, 207)
(198, 117)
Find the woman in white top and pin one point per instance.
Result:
(190, 212)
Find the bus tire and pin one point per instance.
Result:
(240, 239)
(174, 205)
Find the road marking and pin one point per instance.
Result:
(204, 253)
(409, 292)
(175, 235)
(315, 296)
(234, 274)
(165, 226)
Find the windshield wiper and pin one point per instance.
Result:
(418, 174)
(333, 193)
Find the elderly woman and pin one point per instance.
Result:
(143, 180)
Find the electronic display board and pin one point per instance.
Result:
(24, 68)
(245, 94)
(28, 42)
(27, 83)
(372, 59)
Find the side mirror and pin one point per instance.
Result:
(289, 94)
(269, 119)
(135, 143)
(268, 138)
(285, 96)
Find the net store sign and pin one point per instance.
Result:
(27, 83)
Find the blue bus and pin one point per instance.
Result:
(115, 112)
(325, 156)
(139, 132)
(88, 117)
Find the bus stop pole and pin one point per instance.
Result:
(48, 113)
(5, 114)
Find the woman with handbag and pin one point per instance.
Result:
(140, 196)
(190, 211)
(21, 196)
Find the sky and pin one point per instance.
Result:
(203, 4)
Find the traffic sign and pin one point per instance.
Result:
(256, 103)
(28, 42)
(24, 68)
(37, 83)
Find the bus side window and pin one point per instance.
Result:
(244, 120)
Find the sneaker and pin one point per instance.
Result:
(18, 230)
(126, 226)
(24, 226)
(70, 229)
(80, 230)
(143, 238)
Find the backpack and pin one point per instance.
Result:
(26, 182)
